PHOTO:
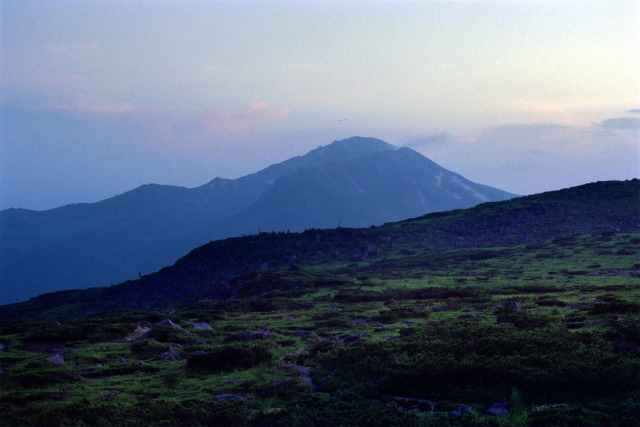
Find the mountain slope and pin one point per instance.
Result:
(218, 269)
(355, 182)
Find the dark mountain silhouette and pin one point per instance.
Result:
(229, 268)
(354, 182)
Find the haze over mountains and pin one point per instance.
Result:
(355, 182)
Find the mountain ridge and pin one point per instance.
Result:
(151, 226)
(216, 270)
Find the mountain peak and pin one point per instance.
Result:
(356, 146)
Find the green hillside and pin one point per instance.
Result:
(523, 312)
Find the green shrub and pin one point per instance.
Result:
(229, 357)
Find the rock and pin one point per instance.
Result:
(354, 337)
(461, 410)
(170, 357)
(137, 333)
(202, 326)
(511, 305)
(169, 323)
(498, 409)
(250, 335)
(56, 359)
(232, 397)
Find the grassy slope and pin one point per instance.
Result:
(448, 311)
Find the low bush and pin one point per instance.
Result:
(229, 357)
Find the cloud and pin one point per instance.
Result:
(86, 103)
(197, 128)
(429, 141)
(634, 111)
(622, 123)
(224, 120)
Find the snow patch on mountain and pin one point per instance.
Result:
(467, 187)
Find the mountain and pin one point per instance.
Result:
(354, 182)
(218, 270)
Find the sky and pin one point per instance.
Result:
(98, 97)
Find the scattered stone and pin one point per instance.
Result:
(355, 337)
(169, 357)
(169, 323)
(232, 382)
(56, 359)
(202, 326)
(138, 332)
(250, 335)
(274, 410)
(547, 407)
(461, 410)
(288, 318)
(232, 397)
(512, 305)
(498, 409)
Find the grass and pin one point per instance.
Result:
(472, 330)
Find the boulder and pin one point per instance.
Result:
(512, 305)
(202, 326)
(169, 357)
(56, 359)
(138, 332)
(461, 410)
(250, 335)
(232, 397)
(498, 409)
(169, 323)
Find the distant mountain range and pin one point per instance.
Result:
(356, 182)
(445, 243)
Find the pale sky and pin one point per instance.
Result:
(99, 97)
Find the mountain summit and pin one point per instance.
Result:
(351, 183)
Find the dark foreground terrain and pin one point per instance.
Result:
(525, 312)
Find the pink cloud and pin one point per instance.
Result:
(197, 128)
(228, 121)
